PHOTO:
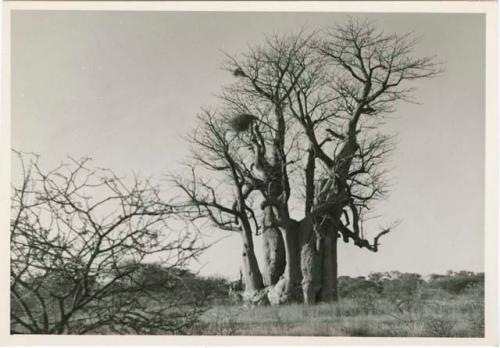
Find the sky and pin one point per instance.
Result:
(125, 87)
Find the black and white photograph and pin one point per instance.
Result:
(297, 171)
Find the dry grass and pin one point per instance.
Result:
(460, 316)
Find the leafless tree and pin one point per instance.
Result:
(78, 238)
(226, 201)
(300, 126)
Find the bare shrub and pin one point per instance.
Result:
(79, 238)
(439, 321)
(405, 303)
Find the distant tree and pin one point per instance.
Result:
(355, 287)
(434, 276)
(297, 151)
(378, 276)
(403, 287)
(72, 230)
(457, 282)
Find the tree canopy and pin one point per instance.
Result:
(294, 151)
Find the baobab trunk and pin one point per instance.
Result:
(319, 264)
(251, 272)
(311, 256)
(329, 268)
(288, 288)
(274, 249)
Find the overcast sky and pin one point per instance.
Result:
(125, 87)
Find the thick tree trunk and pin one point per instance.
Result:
(288, 288)
(310, 273)
(292, 272)
(311, 256)
(253, 279)
(274, 249)
(251, 272)
(319, 265)
(254, 292)
(329, 269)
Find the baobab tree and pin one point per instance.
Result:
(297, 145)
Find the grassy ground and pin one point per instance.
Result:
(381, 305)
(458, 316)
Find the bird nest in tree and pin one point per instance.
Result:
(241, 122)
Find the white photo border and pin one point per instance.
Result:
(488, 8)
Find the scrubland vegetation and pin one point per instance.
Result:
(383, 304)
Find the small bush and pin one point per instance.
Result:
(439, 321)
